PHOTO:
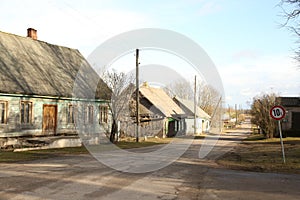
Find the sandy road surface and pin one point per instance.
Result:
(82, 177)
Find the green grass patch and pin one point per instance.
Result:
(130, 145)
(255, 137)
(10, 156)
(259, 138)
(264, 155)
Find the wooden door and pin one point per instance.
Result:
(49, 119)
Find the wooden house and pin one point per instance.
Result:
(159, 114)
(37, 96)
(202, 118)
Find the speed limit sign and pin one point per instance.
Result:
(277, 112)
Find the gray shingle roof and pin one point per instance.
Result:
(188, 107)
(35, 67)
(159, 98)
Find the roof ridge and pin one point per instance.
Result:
(34, 67)
(186, 102)
(160, 101)
(41, 41)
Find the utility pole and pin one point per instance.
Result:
(137, 94)
(229, 112)
(236, 115)
(195, 106)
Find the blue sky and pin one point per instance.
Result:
(242, 37)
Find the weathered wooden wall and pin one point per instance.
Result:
(14, 128)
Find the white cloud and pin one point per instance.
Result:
(247, 92)
(228, 98)
(247, 78)
(85, 24)
(246, 54)
(64, 24)
(209, 7)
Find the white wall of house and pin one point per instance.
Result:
(202, 126)
(190, 126)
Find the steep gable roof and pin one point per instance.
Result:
(189, 108)
(34, 67)
(159, 98)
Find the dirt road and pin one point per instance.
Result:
(82, 177)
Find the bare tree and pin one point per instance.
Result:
(119, 83)
(291, 10)
(208, 98)
(260, 108)
(182, 89)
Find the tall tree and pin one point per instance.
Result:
(182, 89)
(119, 83)
(208, 98)
(260, 109)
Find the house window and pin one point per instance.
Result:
(26, 112)
(3, 112)
(103, 114)
(72, 114)
(89, 115)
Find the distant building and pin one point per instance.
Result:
(202, 118)
(291, 123)
(36, 90)
(159, 114)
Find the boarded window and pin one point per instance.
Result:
(72, 114)
(89, 115)
(3, 112)
(103, 114)
(26, 112)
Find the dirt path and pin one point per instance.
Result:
(82, 177)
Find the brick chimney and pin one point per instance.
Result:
(32, 33)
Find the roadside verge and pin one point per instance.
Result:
(263, 155)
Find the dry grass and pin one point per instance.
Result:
(264, 155)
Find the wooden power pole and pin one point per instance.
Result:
(195, 106)
(236, 115)
(137, 94)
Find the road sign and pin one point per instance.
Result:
(277, 112)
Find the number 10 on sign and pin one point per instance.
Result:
(277, 112)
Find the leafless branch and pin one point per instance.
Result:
(122, 90)
(291, 10)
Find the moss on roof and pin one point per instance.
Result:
(35, 67)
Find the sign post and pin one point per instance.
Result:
(278, 113)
